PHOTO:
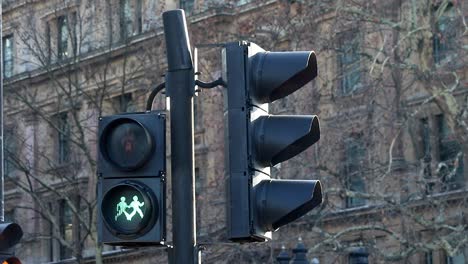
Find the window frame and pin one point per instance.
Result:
(428, 257)
(123, 103)
(462, 252)
(349, 68)
(130, 19)
(425, 134)
(48, 33)
(425, 152)
(358, 254)
(10, 215)
(8, 71)
(442, 39)
(445, 158)
(197, 114)
(63, 139)
(353, 163)
(10, 147)
(242, 2)
(65, 226)
(187, 5)
(62, 37)
(66, 39)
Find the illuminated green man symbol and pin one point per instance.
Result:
(121, 207)
(135, 204)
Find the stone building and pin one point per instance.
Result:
(391, 95)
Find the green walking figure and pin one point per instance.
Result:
(121, 207)
(135, 204)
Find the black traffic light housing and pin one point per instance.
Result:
(10, 235)
(256, 140)
(131, 179)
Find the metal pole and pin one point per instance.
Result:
(180, 85)
(2, 178)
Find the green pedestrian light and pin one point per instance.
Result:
(122, 208)
(132, 175)
(128, 209)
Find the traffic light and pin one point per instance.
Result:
(131, 179)
(256, 140)
(10, 235)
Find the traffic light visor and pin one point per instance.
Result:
(280, 137)
(282, 201)
(10, 235)
(275, 75)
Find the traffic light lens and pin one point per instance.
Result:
(12, 260)
(129, 209)
(127, 144)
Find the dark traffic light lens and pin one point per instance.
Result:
(11, 260)
(126, 144)
(129, 209)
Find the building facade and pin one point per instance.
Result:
(391, 96)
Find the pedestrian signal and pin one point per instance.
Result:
(131, 171)
(128, 209)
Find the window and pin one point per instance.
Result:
(130, 18)
(62, 39)
(199, 198)
(425, 155)
(460, 258)
(51, 234)
(198, 181)
(425, 139)
(48, 44)
(65, 24)
(354, 159)
(63, 139)
(124, 103)
(138, 17)
(9, 216)
(9, 151)
(450, 157)
(187, 5)
(198, 189)
(66, 229)
(428, 258)
(8, 56)
(197, 114)
(282, 104)
(348, 60)
(444, 32)
(359, 256)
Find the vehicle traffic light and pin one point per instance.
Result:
(131, 179)
(10, 235)
(256, 140)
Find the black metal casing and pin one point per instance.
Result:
(149, 177)
(255, 140)
(237, 118)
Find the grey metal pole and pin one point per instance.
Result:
(2, 177)
(180, 86)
